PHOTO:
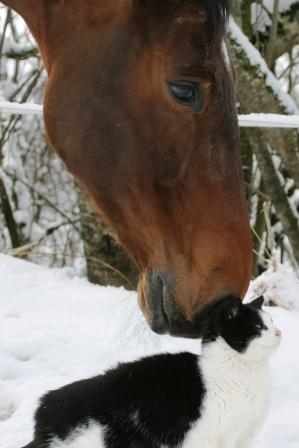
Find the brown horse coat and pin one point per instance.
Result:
(140, 105)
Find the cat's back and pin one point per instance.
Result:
(162, 393)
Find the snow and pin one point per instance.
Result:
(278, 285)
(259, 17)
(256, 60)
(57, 328)
(284, 5)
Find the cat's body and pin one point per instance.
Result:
(237, 399)
(216, 400)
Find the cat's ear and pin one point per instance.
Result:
(234, 310)
(257, 303)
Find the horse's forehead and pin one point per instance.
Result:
(154, 14)
(183, 23)
(198, 18)
(124, 41)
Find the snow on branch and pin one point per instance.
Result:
(256, 60)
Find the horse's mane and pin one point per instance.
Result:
(218, 12)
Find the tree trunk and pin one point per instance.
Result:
(106, 262)
(246, 158)
(259, 227)
(246, 17)
(274, 189)
(235, 7)
(270, 56)
(257, 97)
(8, 217)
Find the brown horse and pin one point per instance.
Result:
(140, 105)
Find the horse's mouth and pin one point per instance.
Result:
(176, 326)
(159, 322)
(164, 316)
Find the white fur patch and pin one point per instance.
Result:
(89, 436)
(262, 347)
(238, 390)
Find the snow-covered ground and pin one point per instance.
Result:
(56, 328)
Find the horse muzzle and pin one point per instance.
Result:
(157, 299)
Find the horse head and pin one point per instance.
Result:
(140, 105)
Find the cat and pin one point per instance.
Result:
(216, 400)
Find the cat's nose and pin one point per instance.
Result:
(278, 332)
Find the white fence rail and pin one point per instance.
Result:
(247, 121)
(20, 109)
(269, 121)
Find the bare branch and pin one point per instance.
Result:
(8, 216)
(47, 201)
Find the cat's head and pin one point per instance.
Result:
(245, 328)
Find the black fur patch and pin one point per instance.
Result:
(236, 323)
(164, 392)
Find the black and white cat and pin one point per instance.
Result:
(216, 400)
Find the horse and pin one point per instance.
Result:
(140, 105)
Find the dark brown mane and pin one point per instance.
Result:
(217, 12)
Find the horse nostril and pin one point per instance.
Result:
(158, 321)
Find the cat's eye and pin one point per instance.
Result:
(187, 93)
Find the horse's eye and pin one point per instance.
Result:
(187, 93)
